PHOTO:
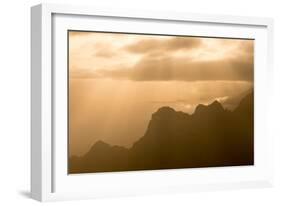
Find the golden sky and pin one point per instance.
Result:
(118, 80)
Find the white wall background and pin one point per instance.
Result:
(15, 103)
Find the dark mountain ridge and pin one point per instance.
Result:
(211, 136)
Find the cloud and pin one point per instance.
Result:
(168, 68)
(164, 45)
(105, 53)
(161, 58)
(171, 68)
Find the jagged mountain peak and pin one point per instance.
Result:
(216, 105)
(163, 113)
(165, 109)
(168, 113)
(100, 145)
(211, 108)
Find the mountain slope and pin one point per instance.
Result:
(211, 136)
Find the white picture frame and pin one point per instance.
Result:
(49, 178)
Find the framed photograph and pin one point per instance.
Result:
(137, 102)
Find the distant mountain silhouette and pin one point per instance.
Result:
(210, 137)
(232, 101)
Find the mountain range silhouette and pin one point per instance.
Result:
(210, 137)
